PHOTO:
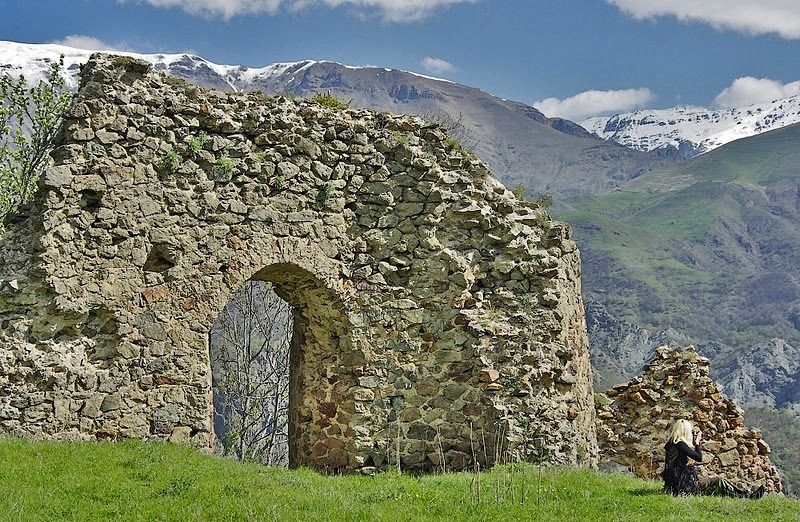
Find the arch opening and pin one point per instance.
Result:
(250, 350)
(278, 382)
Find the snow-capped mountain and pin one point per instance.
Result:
(694, 130)
(520, 144)
(34, 61)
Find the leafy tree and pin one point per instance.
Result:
(30, 118)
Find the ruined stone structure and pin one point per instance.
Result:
(634, 420)
(435, 313)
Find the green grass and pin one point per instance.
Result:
(138, 481)
(645, 253)
(683, 214)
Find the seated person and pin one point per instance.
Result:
(680, 477)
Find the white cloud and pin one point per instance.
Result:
(90, 43)
(750, 16)
(594, 103)
(217, 8)
(389, 10)
(749, 90)
(436, 65)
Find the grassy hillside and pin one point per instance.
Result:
(758, 160)
(709, 247)
(137, 481)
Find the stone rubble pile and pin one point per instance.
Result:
(634, 420)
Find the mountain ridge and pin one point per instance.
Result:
(548, 155)
(693, 130)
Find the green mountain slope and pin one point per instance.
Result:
(710, 247)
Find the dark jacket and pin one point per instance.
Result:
(679, 477)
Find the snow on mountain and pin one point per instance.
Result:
(694, 130)
(34, 61)
(549, 155)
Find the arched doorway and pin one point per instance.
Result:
(279, 385)
(250, 349)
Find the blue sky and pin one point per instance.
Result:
(625, 53)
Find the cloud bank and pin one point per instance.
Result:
(436, 65)
(594, 103)
(749, 90)
(388, 10)
(90, 43)
(780, 17)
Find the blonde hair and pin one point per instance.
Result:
(682, 431)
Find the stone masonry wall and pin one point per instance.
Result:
(432, 307)
(634, 421)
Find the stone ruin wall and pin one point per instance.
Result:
(428, 299)
(634, 420)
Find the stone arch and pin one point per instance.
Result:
(319, 398)
(457, 307)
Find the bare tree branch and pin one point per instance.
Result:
(249, 346)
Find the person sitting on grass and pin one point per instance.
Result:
(680, 477)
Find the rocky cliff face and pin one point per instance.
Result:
(634, 420)
(764, 374)
(767, 374)
(432, 308)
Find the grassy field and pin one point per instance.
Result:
(138, 481)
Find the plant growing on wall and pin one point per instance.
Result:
(196, 143)
(324, 194)
(330, 100)
(170, 162)
(223, 170)
(540, 200)
(279, 183)
(30, 118)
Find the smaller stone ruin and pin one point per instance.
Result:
(634, 420)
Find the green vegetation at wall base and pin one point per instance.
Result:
(141, 481)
